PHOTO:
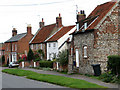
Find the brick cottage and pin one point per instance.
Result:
(96, 37)
(17, 45)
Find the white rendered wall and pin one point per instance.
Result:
(52, 49)
(64, 38)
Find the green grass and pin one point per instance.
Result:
(59, 80)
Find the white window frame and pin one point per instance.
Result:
(49, 44)
(77, 25)
(85, 51)
(40, 46)
(77, 57)
(12, 47)
(15, 47)
(54, 44)
(31, 46)
(85, 25)
(36, 46)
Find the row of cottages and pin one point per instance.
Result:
(96, 37)
(2, 50)
(51, 38)
(17, 45)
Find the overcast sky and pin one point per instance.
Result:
(19, 13)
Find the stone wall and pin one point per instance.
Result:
(80, 40)
(107, 39)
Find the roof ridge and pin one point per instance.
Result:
(50, 24)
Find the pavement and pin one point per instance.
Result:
(76, 76)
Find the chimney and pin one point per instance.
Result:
(41, 24)
(59, 21)
(81, 15)
(29, 29)
(14, 32)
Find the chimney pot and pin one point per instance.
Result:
(29, 29)
(42, 20)
(59, 21)
(14, 32)
(59, 15)
(80, 11)
(41, 24)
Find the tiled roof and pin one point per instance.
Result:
(60, 33)
(16, 37)
(43, 34)
(100, 11)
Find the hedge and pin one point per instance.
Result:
(114, 64)
(47, 64)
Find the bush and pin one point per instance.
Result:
(114, 64)
(46, 64)
(20, 60)
(63, 58)
(30, 55)
(3, 59)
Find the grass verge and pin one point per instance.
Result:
(59, 80)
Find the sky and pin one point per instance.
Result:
(18, 13)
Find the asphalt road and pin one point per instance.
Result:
(10, 81)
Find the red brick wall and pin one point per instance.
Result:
(22, 46)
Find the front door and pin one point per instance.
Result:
(77, 58)
(14, 57)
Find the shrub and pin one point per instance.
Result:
(114, 64)
(46, 64)
(30, 55)
(3, 59)
(63, 58)
(20, 60)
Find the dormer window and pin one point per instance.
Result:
(77, 26)
(85, 25)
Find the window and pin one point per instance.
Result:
(0, 52)
(15, 47)
(49, 44)
(54, 45)
(40, 46)
(85, 25)
(77, 26)
(85, 51)
(77, 58)
(32, 46)
(12, 47)
(36, 46)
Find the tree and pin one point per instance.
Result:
(63, 57)
(30, 55)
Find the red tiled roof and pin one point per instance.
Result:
(101, 11)
(60, 33)
(43, 34)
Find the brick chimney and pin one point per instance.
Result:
(41, 24)
(14, 32)
(59, 21)
(81, 15)
(29, 29)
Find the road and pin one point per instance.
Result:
(11, 81)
